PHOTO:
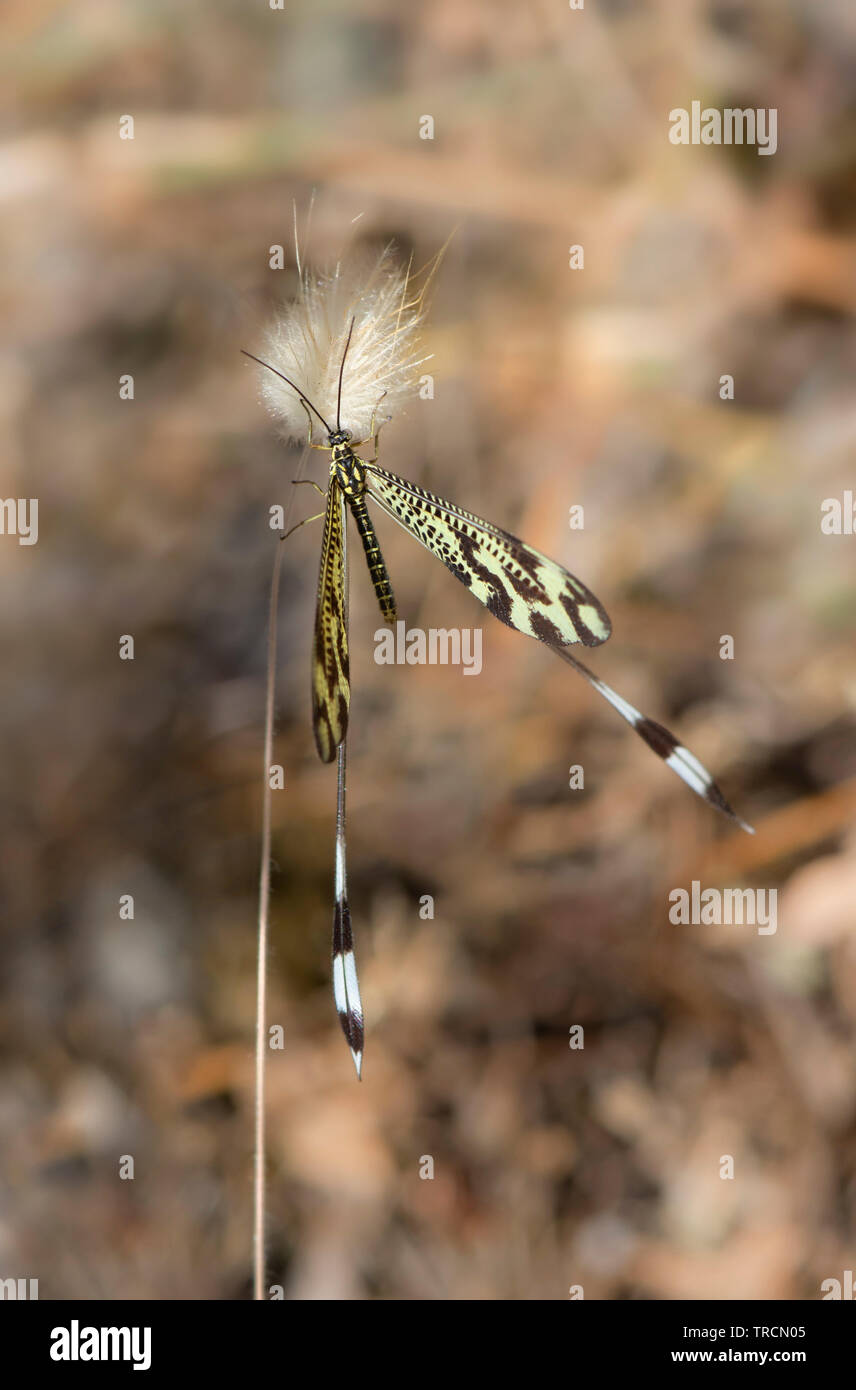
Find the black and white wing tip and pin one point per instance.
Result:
(687, 766)
(346, 987)
(664, 744)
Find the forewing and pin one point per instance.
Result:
(526, 590)
(519, 585)
(331, 690)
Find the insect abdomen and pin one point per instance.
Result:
(374, 559)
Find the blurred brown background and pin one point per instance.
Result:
(553, 387)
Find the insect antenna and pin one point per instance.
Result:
(295, 387)
(341, 374)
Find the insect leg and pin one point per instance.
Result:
(297, 526)
(373, 433)
(309, 431)
(312, 483)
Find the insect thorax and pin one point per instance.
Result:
(347, 469)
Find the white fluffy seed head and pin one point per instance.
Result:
(307, 342)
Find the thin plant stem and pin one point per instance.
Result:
(261, 962)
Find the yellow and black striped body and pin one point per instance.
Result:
(331, 688)
(349, 472)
